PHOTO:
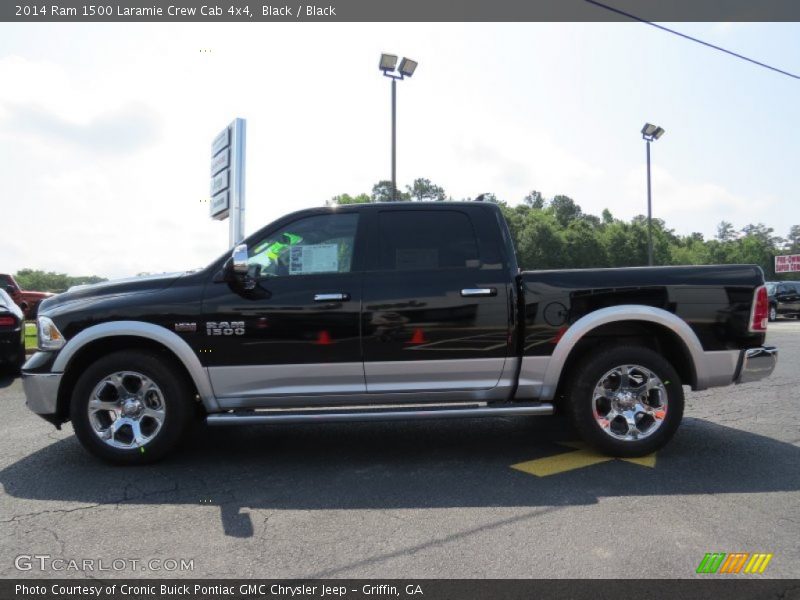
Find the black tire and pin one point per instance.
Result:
(589, 372)
(175, 397)
(773, 313)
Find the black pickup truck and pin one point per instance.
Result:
(392, 311)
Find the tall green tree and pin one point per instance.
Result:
(583, 247)
(793, 240)
(534, 199)
(540, 245)
(423, 190)
(565, 210)
(382, 192)
(726, 232)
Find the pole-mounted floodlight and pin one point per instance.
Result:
(650, 133)
(388, 62)
(406, 69)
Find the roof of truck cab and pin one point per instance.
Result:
(412, 204)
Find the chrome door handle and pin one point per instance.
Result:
(339, 297)
(478, 292)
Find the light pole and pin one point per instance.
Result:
(406, 69)
(650, 133)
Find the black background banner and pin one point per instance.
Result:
(395, 10)
(731, 588)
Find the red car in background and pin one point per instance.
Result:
(27, 301)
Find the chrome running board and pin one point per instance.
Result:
(394, 414)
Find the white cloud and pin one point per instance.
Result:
(124, 130)
(689, 206)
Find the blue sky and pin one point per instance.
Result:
(105, 129)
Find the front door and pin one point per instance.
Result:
(436, 316)
(296, 330)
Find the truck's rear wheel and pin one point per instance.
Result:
(130, 407)
(626, 401)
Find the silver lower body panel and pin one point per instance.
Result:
(337, 384)
(287, 380)
(434, 375)
(718, 368)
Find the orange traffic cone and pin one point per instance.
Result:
(418, 337)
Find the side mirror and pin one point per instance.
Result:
(239, 259)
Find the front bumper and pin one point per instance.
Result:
(757, 363)
(41, 392)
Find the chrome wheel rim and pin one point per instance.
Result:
(126, 410)
(773, 314)
(629, 403)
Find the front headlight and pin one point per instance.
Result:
(49, 337)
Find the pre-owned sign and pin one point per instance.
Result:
(220, 204)
(220, 161)
(789, 263)
(222, 140)
(219, 182)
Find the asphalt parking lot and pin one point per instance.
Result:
(434, 499)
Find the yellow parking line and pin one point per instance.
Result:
(644, 461)
(579, 458)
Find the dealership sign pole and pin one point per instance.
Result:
(787, 264)
(227, 178)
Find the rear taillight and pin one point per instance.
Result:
(759, 314)
(8, 322)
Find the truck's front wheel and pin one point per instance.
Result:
(626, 401)
(130, 407)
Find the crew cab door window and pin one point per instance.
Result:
(313, 245)
(436, 240)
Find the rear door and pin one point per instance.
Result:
(296, 332)
(435, 305)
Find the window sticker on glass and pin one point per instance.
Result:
(318, 258)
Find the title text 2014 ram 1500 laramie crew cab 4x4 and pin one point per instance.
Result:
(392, 311)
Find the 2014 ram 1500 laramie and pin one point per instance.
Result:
(392, 311)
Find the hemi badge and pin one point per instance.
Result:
(186, 327)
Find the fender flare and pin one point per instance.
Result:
(612, 314)
(174, 343)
